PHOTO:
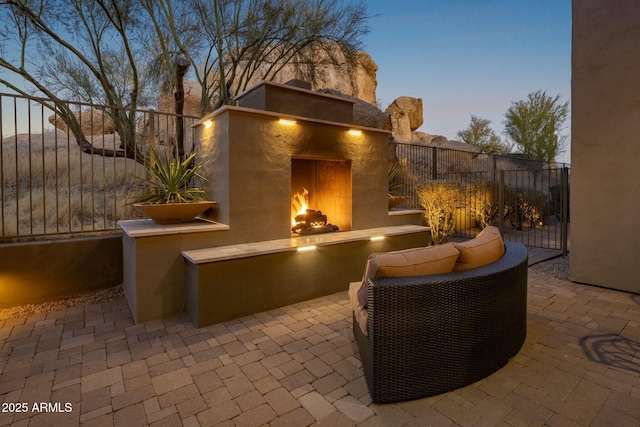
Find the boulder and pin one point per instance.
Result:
(411, 107)
(405, 114)
(361, 83)
(421, 138)
(92, 122)
(400, 127)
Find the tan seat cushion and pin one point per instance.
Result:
(409, 262)
(485, 248)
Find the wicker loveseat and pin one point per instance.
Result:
(430, 334)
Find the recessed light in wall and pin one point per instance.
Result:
(208, 124)
(355, 132)
(376, 238)
(288, 122)
(306, 248)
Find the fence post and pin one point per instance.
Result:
(152, 139)
(495, 166)
(501, 201)
(152, 129)
(564, 212)
(434, 163)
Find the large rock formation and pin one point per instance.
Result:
(406, 116)
(360, 82)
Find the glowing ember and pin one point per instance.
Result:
(300, 204)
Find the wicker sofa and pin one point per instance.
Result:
(430, 334)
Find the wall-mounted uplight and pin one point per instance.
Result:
(376, 238)
(306, 248)
(288, 122)
(355, 132)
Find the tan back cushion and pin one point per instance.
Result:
(409, 262)
(485, 248)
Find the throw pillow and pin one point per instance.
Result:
(485, 248)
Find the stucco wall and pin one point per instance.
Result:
(605, 144)
(38, 272)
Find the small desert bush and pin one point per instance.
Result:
(527, 206)
(483, 202)
(440, 200)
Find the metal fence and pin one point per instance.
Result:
(49, 186)
(526, 199)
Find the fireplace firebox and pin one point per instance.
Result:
(320, 195)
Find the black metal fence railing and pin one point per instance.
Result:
(51, 185)
(526, 199)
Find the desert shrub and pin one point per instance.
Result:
(527, 206)
(440, 200)
(483, 202)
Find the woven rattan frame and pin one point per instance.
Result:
(431, 334)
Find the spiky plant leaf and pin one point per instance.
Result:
(170, 180)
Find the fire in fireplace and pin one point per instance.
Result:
(308, 221)
(320, 192)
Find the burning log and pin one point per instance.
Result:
(312, 222)
(312, 218)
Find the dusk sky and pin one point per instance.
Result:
(466, 57)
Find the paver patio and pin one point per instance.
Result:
(299, 365)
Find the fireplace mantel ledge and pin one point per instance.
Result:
(147, 228)
(223, 253)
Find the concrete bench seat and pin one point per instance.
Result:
(229, 282)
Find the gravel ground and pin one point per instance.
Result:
(557, 267)
(97, 297)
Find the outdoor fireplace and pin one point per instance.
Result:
(320, 195)
(244, 257)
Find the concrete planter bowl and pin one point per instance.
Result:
(395, 201)
(173, 213)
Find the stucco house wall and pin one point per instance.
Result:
(605, 144)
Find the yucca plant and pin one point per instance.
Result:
(170, 180)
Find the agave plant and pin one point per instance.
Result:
(170, 180)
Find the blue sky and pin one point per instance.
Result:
(466, 57)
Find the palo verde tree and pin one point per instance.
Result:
(247, 40)
(79, 50)
(534, 125)
(121, 53)
(480, 134)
